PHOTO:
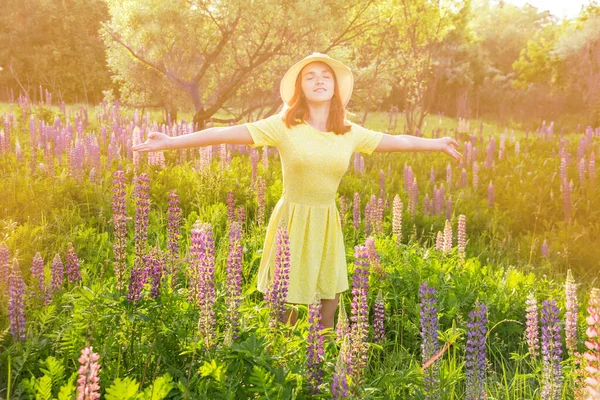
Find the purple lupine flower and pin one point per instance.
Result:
(120, 228)
(173, 231)
(449, 208)
(356, 211)
(234, 280)
(241, 215)
(142, 209)
(551, 352)
(369, 215)
(447, 246)
(449, 175)
(260, 200)
(339, 382)
(314, 350)
(16, 302)
(463, 178)
(57, 273)
(155, 270)
(545, 249)
(359, 313)
(4, 264)
(72, 264)
(230, 206)
(137, 279)
(204, 258)
(572, 308)
(430, 345)
(592, 355)
(462, 235)
(135, 140)
(374, 261)
(276, 295)
(37, 271)
(88, 382)
(379, 318)
(532, 331)
(343, 209)
(581, 168)
(475, 352)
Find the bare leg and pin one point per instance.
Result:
(328, 308)
(291, 316)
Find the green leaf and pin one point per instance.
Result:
(159, 389)
(44, 389)
(54, 370)
(67, 391)
(263, 380)
(123, 389)
(213, 370)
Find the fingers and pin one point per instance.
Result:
(141, 147)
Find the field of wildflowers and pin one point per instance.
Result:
(133, 276)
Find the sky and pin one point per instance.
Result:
(559, 8)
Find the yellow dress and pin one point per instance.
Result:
(313, 163)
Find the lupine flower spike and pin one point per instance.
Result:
(88, 383)
(532, 331)
(315, 350)
(592, 355)
(571, 313)
(430, 345)
(475, 365)
(551, 352)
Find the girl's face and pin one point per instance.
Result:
(317, 82)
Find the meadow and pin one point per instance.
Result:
(134, 275)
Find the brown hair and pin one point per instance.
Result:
(298, 111)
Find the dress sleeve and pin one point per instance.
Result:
(266, 132)
(365, 140)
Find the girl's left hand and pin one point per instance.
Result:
(449, 146)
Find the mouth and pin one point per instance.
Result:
(320, 90)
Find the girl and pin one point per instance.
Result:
(315, 143)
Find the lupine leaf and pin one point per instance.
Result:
(159, 389)
(44, 388)
(122, 389)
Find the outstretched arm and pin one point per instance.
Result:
(158, 141)
(394, 143)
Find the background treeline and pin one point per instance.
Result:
(465, 58)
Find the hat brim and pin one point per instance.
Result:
(343, 76)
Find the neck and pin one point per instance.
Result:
(318, 115)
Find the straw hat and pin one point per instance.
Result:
(343, 75)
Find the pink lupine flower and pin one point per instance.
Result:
(449, 175)
(254, 163)
(230, 206)
(360, 313)
(397, 219)
(462, 235)
(413, 197)
(592, 168)
(475, 175)
(447, 246)
(572, 309)
(374, 257)
(16, 302)
(463, 178)
(88, 383)
(532, 331)
(449, 208)
(432, 176)
(582, 171)
(343, 209)
(439, 241)
(592, 355)
(261, 201)
(339, 381)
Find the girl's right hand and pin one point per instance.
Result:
(156, 141)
